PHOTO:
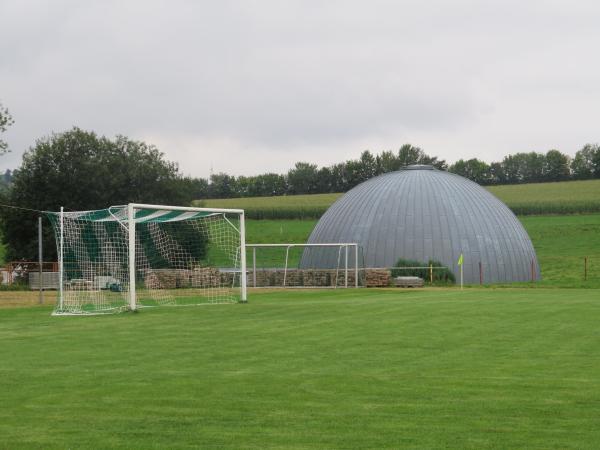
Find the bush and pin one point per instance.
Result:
(440, 276)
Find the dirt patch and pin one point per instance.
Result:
(11, 299)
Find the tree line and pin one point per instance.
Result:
(80, 170)
(307, 178)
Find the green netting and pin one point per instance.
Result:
(181, 257)
(119, 214)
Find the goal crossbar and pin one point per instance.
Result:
(92, 245)
(132, 219)
(288, 246)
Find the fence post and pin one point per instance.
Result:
(532, 271)
(480, 273)
(40, 260)
(254, 266)
(431, 273)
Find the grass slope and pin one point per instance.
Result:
(567, 197)
(288, 207)
(305, 370)
(561, 243)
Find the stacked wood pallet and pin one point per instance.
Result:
(377, 277)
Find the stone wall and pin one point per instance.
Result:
(212, 277)
(318, 278)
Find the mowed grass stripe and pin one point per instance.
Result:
(310, 369)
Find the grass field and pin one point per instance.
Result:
(561, 243)
(360, 369)
(281, 207)
(568, 197)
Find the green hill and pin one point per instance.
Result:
(282, 207)
(567, 197)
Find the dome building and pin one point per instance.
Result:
(421, 213)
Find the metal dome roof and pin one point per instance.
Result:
(422, 213)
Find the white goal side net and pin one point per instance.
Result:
(291, 265)
(136, 255)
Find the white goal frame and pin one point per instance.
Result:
(288, 246)
(131, 231)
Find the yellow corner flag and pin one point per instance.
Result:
(460, 260)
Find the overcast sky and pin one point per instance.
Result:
(247, 87)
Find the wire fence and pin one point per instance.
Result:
(560, 271)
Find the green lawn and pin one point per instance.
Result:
(479, 369)
(278, 231)
(561, 243)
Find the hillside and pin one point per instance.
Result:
(567, 197)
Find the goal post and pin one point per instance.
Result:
(136, 255)
(290, 265)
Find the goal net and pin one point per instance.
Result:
(291, 265)
(126, 257)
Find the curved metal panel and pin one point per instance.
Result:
(422, 213)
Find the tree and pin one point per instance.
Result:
(353, 174)
(325, 180)
(6, 121)
(303, 179)
(195, 188)
(409, 155)
(271, 184)
(586, 163)
(556, 166)
(245, 187)
(524, 167)
(368, 166)
(223, 186)
(6, 180)
(533, 167)
(79, 170)
(386, 162)
(339, 178)
(473, 169)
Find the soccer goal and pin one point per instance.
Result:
(326, 265)
(136, 255)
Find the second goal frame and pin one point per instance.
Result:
(343, 252)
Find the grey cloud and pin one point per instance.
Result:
(303, 79)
